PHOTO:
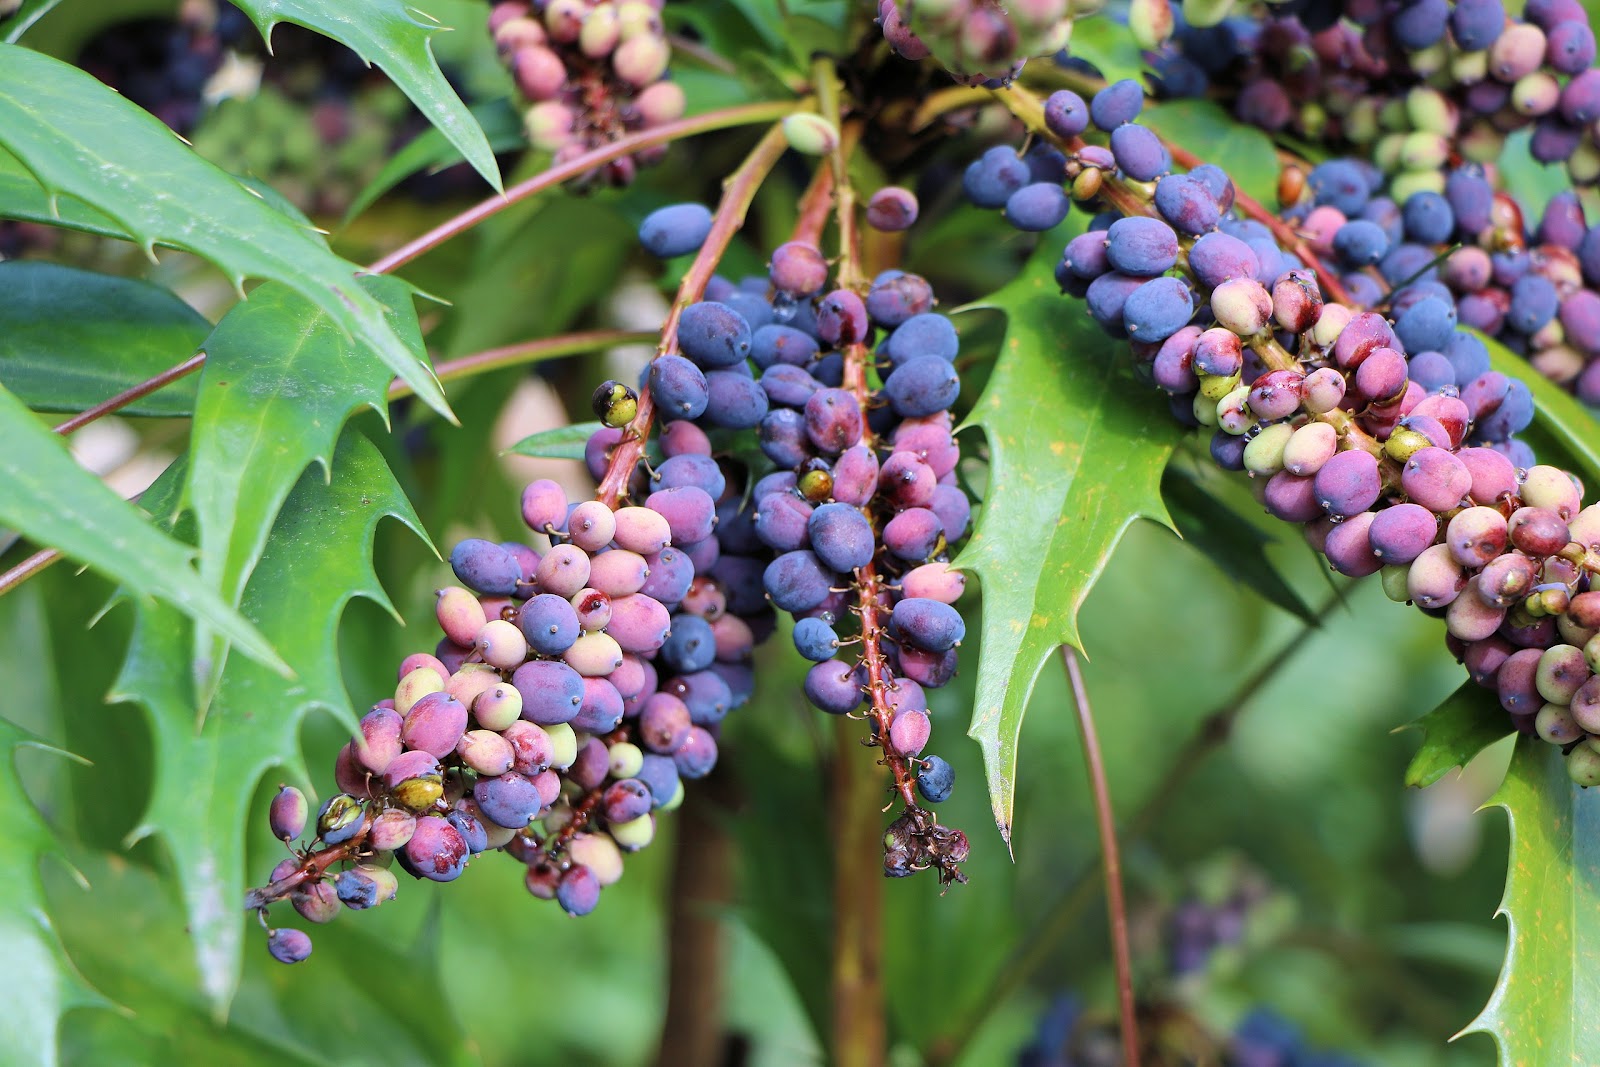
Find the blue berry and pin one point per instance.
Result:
(936, 780)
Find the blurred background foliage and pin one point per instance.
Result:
(1380, 941)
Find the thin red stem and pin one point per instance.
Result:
(526, 352)
(816, 205)
(743, 115)
(137, 392)
(737, 193)
(27, 569)
(1116, 906)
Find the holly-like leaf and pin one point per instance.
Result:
(279, 382)
(1542, 1009)
(431, 151)
(1076, 453)
(1216, 137)
(396, 36)
(24, 199)
(1466, 723)
(29, 945)
(1107, 45)
(47, 497)
(81, 139)
(318, 558)
(71, 338)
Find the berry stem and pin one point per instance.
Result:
(1116, 906)
(743, 115)
(15, 576)
(1066, 912)
(129, 395)
(312, 866)
(738, 191)
(816, 204)
(527, 352)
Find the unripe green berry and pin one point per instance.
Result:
(626, 759)
(1555, 724)
(1561, 673)
(564, 745)
(1583, 766)
(810, 134)
(1395, 580)
(1215, 386)
(635, 833)
(416, 685)
(1264, 454)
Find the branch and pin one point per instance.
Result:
(744, 115)
(1116, 906)
(137, 392)
(737, 193)
(858, 1035)
(527, 352)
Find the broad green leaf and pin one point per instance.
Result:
(1211, 133)
(1564, 431)
(394, 35)
(1107, 44)
(279, 382)
(1076, 450)
(80, 138)
(49, 985)
(1541, 1012)
(563, 442)
(318, 558)
(71, 338)
(430, 151)
(1469, 721)
(125, 929)
(47, 497)
(1229, 540)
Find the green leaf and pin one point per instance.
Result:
(318, 558)
(1228, 540)
(1215, 136)
(563, 442)
(396, 36)
(48, 498)
(1108, 45)
(1469, 721)
(71, 338)
(279, 382)
(48, 984)
(430, 151)
(80, 138)
(1542, 1009)
(125, 928)
(1564, 431)
(1076, 454)
(24, 199)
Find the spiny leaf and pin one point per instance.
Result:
(1108, 46)
(392, 34)
(317, 560)
(279, 382)
(1212, 134)
(1542, 1010)
(430, 151)
(1076, 455)
(1466, 723)
(49, 985)
(562, 442)
(81, 139)
(48, 498)
(71, 338)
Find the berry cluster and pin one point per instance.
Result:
(572, 686)
(1410, 83)
(978, 41)
(851, 532)
(592, 70)
(1385, 434)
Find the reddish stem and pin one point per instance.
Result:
(737, 193)
(816, 204)
(744, 115)
(1285, 234)
(1116, 906)
(526, 352)
(312, 867)
(137, 392)
(27, 569)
